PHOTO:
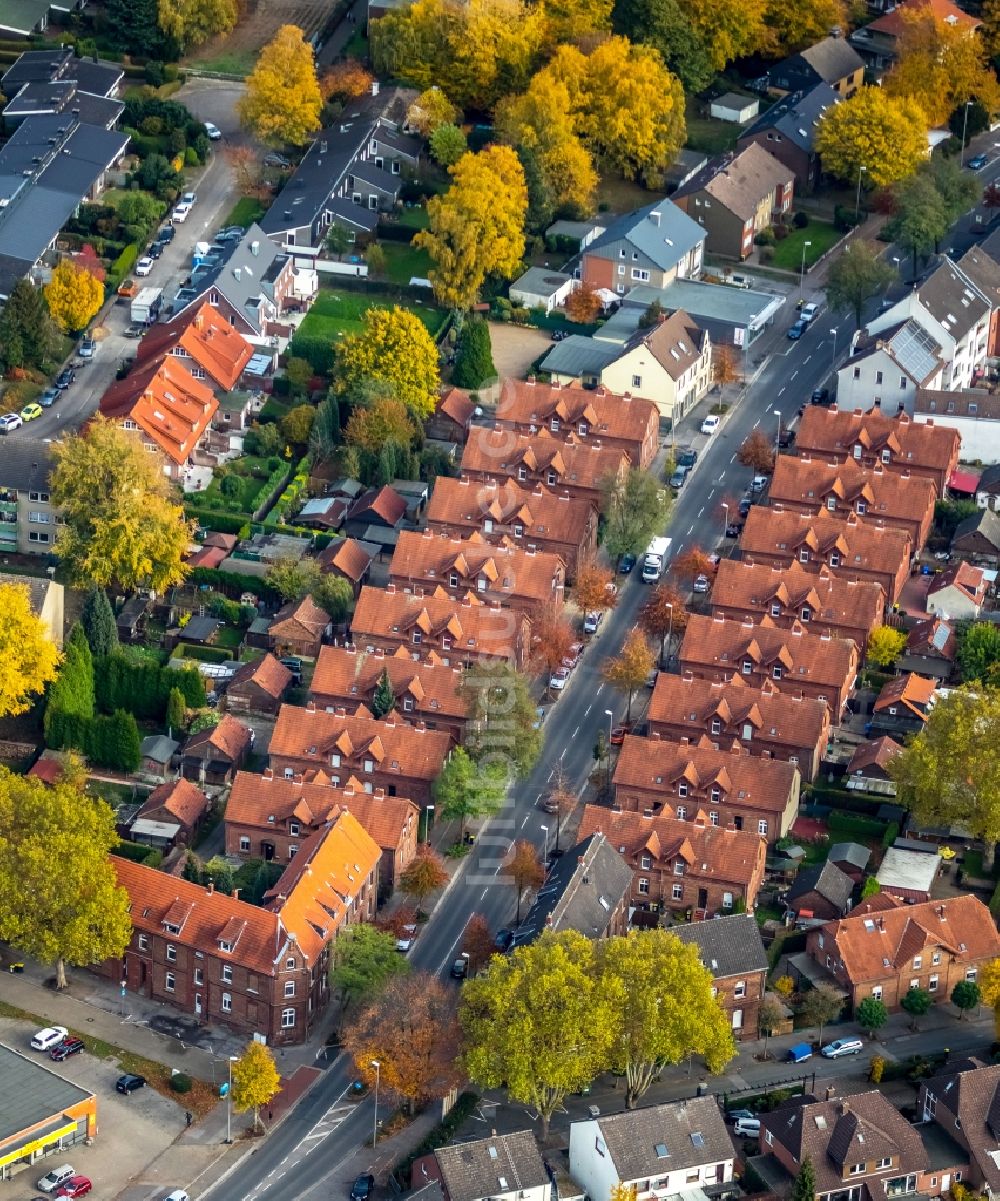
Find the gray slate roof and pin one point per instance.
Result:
(853, 853)
(502, 1163)
(579, 355)
(581, 892)
(32, 1094)
(245, 275)
(795, 116)
(158, 747)
(825, 879)
(25, 464)
(540, 281)
(713, 302)
(953, 299)
(650, 1142)
(727, 946)
(828, 61)
(986, 523)
(665, 243)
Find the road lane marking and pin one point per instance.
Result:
(794, 373)
(585, 713)
(576, 731)
(701, 510)
(690, 528)
(780, 391)
(525, 822)
(806, 359)
(733, 459)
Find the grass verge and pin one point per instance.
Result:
(246, 211)
(403, 263)
(788, 253)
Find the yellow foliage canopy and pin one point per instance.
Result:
(28, 656)
(74, 296)
(883, 134)
(283, 100)
(730, 30)
(792, 27)
(394, 349)
(192, 22)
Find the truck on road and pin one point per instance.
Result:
(146, 306)
(655, 560)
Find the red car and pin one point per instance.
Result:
(76, 1186)
(619, 732)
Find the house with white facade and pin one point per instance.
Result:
(658, 1151)
(974, 414)
(887, 368)
(669, 364)
(652, 246)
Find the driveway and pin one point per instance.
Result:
(516, 347)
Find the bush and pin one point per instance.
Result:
(154, 76)
(995, 902)
(801, 220)
(765, 237)
(122, 265)
(181, 1083)
(844, 219)
(191, 158)
(204, 654)
(781, 232)
(853, 823)
(890, 835)
(131, 850)
(211, 519)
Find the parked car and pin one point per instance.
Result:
(9, 422)
(180, 214)
(65, 378)
(842, 1046)
(31, 411)
(76, 1186)
(135, 330)
(144, 265)
(786, 436)
(734, 529)
(592, 622)
(678, 479)
(460, 968)
(749, 1127)
(687, 458)
(619, 732)
(758, 484)
(212, 132)
(809, 312)
(129, 1083)
(626, 565)
(155, 250)
(734, 1115)
(820, 396)
(48, 1038)
(87, 348)
(177, 1195)
(700, 584)
(56, 1178)
(48, 397)
(504, 938)
(572, 656)
(798, 329)
(276, 160)
(710, 424)
(363, 1187)
(977, 162)
(166, 235)
(746, 504)
(559, 679)
(190, 199)
(68, 1046)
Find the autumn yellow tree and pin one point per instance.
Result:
(28, 656)
(256, 1080)
(729, 30)
(989, 989)
(431, 109)
(628, 670)
(192, 22)
(593, 588)
(386, 419)
(283, 101)
(792, 27)
(940, 66)
(74, 296)
(476, 228)
(393, 348)
(123, 524)
(345, 80)
(583, 304)
(882, 137)
(570, 20)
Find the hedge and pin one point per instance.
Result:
(205, 654)
(136, 852)
(995, 902)
(273, 487)
(224, 581)
(318, 352)
(122, 265)
(853, 823)
(143, 688)
(221, 523)
(890, 835)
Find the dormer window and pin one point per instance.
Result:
(646, 862)
(293, 829)
(227, 947)
(453, 579)
(862, 507)
(775, 608)
(682, 789)
(831, 504)
(554, 425)
(408, 700)
(369, 765)
(803, 554)
(857, 450)
(886, 456)
(716, 726)
(551, 477)
(716, 794)
(747, 667)
(522, 473)
(834, 558)
(776, 672)
(417, 637)
(335, 759)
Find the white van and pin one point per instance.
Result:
(55, 1179)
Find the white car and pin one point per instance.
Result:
(213, 131)
(190, 199)
(710, 424)
(842, 1046)
(10, 422)
(559, 679)
(177, 1195)
(180, 214)
(48, 1038)
(747, 1126)
(144, 266)
(55, 1179)
(700, 584)
(809, 311)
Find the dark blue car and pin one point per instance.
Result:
(798, 329)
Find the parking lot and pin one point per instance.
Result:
(132, 1131)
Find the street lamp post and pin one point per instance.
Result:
(611, 717)
(965, 126)
(378, 1068)
(429, 809)
(725, 527)
(857, 204)
(777, 433)
(229, 1100)
(670, 634)
(833, 360)
(545, 843)
(802, 265)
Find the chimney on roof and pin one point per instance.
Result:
(310, 706)
(297, 779)
(236, 894)
(210, 888)
(654, 216)
(267, 773)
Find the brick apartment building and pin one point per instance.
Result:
(732, 950)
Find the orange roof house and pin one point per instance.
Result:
(212, 755)
(567, 411)
(830, 604)
(512, 576)
(347, 558)
(403, 759)
(766, 723)
(254, 968)
(571, 466)
(733, 789)
(258, 687)
(434, 625)
(269, 817)
(881, 950)
(899, 443)
(680, 865)
(814, 485)
(794, 659)
(425, 690)
(853, 547)
(505, 512)
(903, 705)
(169, 407)
(300, 627)
(452, 416)
(204, 341)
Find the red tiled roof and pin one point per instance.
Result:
(206, 338)
(879, 752)
(166, 402)
(384, 502)
(969, 580)
(862, 544)
(181, 798)
(709, 852)
(606, 414)
(544, 515)
(652, 765)
(893, 23)
(255, 800)
(298, 617)
(893, 496)
(230, 736)
(909, 443)
(497, 454)
(268, 674)
(207, 556)
(351, 676)
(932, 636)
(911, 691)
(312, 736)
(455, 403)
(346, 556)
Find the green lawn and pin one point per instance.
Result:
(228, 637)
(402, 263)
(238, 62)
(252, 473)
(788, 253)
(334, 313)
(707, 134)
(245, 212)
(413, 216)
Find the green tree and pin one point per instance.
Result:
(666, 26)
(979, 651)
(949, 774)
(297, 423)
(855, 276)
(338, 240)
(395, 349)
(28, 656)
(540, 1022)
(473, 355)
(325, 436)
(138, 212)
(98, 622)
(501, 733)
(364, 961)
(383, 699)
(804, 1185)
(965, 996)
(921, 219)
(872, 1015)
(916, 1002)
(462, 791)
(821, 1005)
(665, 1009)
(292, 578)
(334, 594)
(256, 1080)
(122, 522)
(885, 645)
(27, 334)
(635, 508)
(448, 144)
(299, 374)
(870, 888)
(59, 899)
(176, 710)
(770, 1015)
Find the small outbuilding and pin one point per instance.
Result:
(908, 875)
(734, 108)
(540, 288)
